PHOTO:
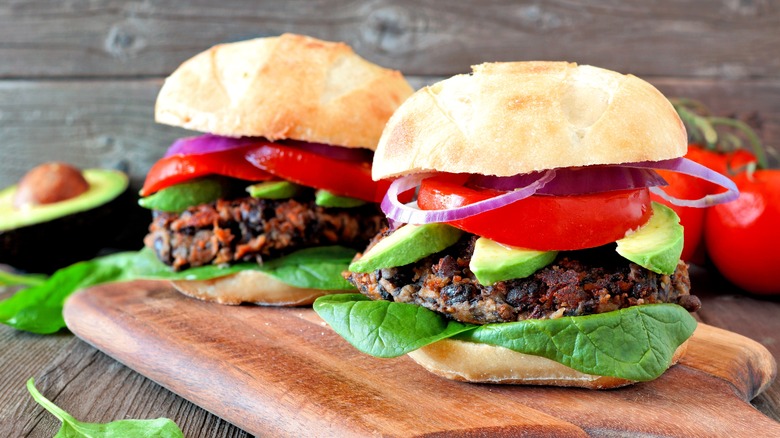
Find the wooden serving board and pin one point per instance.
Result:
(283, 372)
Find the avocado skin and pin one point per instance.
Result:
(117, 224)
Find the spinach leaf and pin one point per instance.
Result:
(635, 343)
(72, 428)
(10, 279)
(384, 328)
(38, 309)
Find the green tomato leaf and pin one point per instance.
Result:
(635, 343)
(384, 328)
(72, 428)
(38, 309)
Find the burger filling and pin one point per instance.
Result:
(576, 283)
(250, 229)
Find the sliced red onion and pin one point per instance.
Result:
(205, 144)
(579, 180)
(209, 143)
(694, 169)
(411, 214)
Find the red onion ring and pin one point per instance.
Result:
(579, 180)
(205, 144)
(209, 143)
(411, 214)
(694, 169)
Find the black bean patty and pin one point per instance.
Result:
(576, 283)
(248, 229)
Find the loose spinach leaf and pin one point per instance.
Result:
(635, 343)
(384, 328)
(10, 279)
(72, 428)
(38, 309)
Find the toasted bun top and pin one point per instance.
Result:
(511, 118)
(290, 86)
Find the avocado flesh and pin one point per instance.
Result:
(324, 198)
(179, 197)
(47, 237)
(405, 245)
(274, 190)
(493, 262)
(657, 245)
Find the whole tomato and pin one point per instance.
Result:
(728, 163)
(691, 218)
(743, 236)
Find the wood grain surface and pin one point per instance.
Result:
(284, 372)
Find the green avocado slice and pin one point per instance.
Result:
(658, 244)
(179, 197)
(493, 262)
(324, 198)
(407, 245)
(104, 185)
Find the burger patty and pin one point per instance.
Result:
(576, 283)
(249, 229)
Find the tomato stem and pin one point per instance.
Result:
(755, 142)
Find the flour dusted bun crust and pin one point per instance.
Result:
(248, 287)
(482, 363)
(511, 118)
(290, 86)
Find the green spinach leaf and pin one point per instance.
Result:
(384, 328)
(10, 279)
(38, 309)
(635, 343)
(72, 428)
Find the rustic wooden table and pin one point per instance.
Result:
(94, 387)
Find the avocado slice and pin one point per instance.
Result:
(407, 245)
(493, 262)
(274, 190)
(324, 198)
(657, 245)
(179, 197)
(43, 238)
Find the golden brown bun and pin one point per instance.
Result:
(482, 363)
(248, 287)
(290, 86)
(512, 118)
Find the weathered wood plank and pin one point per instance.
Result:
(89, 385)
(730, 39)
(95, 123)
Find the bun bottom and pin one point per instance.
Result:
(483, 363)
(253, 287)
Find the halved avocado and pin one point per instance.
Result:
(43, 238)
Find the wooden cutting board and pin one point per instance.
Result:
(283, 372)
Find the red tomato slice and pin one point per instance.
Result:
(262, 161)
(542, 222)
(345, 178)
(180, 168)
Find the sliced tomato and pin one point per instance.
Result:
(266, 160)
(181, 168)
(542, 222)
(345, 178)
